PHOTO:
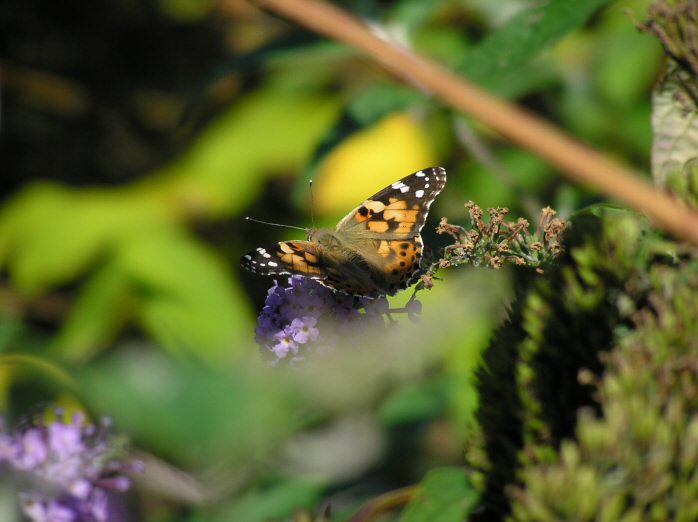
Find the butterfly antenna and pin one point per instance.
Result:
(312, 205)
(248, 218)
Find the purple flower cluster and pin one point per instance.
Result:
(307, 316)
(65, 469)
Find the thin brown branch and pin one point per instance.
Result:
(384, 503)
(576, 161)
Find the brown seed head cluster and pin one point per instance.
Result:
(495, 243)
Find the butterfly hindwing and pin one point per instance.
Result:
(286, 257)
(397, 211)
(401, 258)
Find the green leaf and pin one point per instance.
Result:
(445, 495)
(415, 401)
(178, 291)
(189, 412)
(375, 102)
(11, 330)
(50, 372)
(273, 503)
(498, 62)
(269, 131)
(50, 234)
(413, 13)
(187, 301)
(104, 304)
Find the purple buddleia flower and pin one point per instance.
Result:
(284, 343)
(307, 317)
(303, 329)
(65, 468)
(30, 451)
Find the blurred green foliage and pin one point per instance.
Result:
(445, 496)
(633, 462)
(529, 384)
(137, 137)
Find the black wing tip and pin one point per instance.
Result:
(434, 170)
(251, 261)
(439, 173)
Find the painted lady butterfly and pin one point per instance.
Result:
(375, 250)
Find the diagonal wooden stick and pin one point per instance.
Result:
(575, 160)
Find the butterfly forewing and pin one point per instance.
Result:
(399, 210)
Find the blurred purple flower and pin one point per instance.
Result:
(414, 310)
(66, 468)
(376, 306)
(307, 316)
(30, 450)
(285, 343)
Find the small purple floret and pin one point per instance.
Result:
(307, 316)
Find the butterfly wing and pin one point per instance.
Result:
(286, 257)
(398, 211)
(385, 229)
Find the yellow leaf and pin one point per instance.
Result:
(369, 160)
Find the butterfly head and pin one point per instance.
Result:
(324, 238)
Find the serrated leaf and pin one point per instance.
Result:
(497, 63)
(445, 495)
(675, 140)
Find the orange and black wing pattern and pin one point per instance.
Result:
(398, 211)
(286, 257)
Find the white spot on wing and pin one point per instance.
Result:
(271, 263)
(419, 193)
(404, 189)
(398, 185)
(420, 174)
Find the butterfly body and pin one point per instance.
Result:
(375, 250)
